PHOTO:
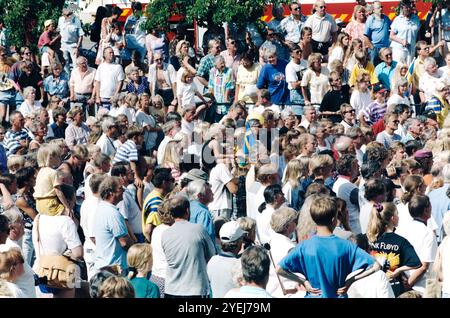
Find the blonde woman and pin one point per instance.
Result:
(400, 93)
(401, 71)
(296, 171)
(116, 287)
(315, 82)
(355, 28)
(390, 249)
(172, 157)
(77, 132)
(11, 269)
(361, 95)
(140, 263)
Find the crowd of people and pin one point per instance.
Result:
(315, 163)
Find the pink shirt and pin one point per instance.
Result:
(355, 30)
(83, 83)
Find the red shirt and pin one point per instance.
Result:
(378, 127)
(44, 39)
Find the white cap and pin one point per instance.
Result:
(230, 232)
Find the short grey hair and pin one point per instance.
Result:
(308, 107)
(107, 123)
(28, 90)
(286, 113)
(108, 186)
(342, 143)
(352, 132)
(313, 127)
(281, 218)
(81, 59)
(218, 59)
(429, 61)
(270, 50)
(194, 188)
(401, 82)
(132, 69)
(409, 122)
(13, 215)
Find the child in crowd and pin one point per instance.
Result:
(140, 264)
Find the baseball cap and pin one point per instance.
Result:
(196, 174)
(379, 88)
(230, 232)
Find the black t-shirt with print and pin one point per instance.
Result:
(398, 252)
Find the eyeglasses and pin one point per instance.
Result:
(232, 42)
(396, 121)
(350, 111)
(322, 7)
(298, 52)
(270, 34)
(27, 53)
(296, 9)
(426, 48)
(158, 60)
(387, 55)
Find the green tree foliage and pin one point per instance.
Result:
(24, 19)
(205, 12)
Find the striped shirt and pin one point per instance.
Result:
(12, 140)
(127, 152)
(150, 209)
(374, 112)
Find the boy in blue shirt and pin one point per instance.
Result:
(325, 260)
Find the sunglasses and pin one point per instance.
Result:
(270, 34)
(350, 111)
(396, 121)
(158, 60)
(232, 42)
(296, 9)
(322, 7)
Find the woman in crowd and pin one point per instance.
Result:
(315, 82)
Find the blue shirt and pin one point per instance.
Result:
(440, 204)
(378, 30)
(201, 215)
(385, 73)
(273, 77)
(326, 261)
(109, 226)
(58, 87)
(405, 29)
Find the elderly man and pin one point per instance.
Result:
(82, 83)
(163, 80)
(221, 86)
(71, 37)
(356, 134)
(309, 115)
(376, 32)
(385, 70)
(108, 79)
(187, 248)
(17, 138)
(200, 195)
(414, 128)
(429, 80)
(112, 239)
(207, 62)
(106, 140)
(170, 129)
(324, 28)
(293, 24)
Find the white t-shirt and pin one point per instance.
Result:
(364, 216)
(27, 109)
(373, 286)
(108, 75)
(293, 70)
(344, 189)
(360, 100)
(425, 244)
(280, 246)
(187, 93)
(106, 145)
(127, 111)
(25, 283)
(87, 212)
(263, 227)
(336, 54)
(57, 234)
(322, 27)
(219, 177)
(159, 258)
(143, 119)
(318, 85)
(396, 99)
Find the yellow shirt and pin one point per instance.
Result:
(369, 69)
